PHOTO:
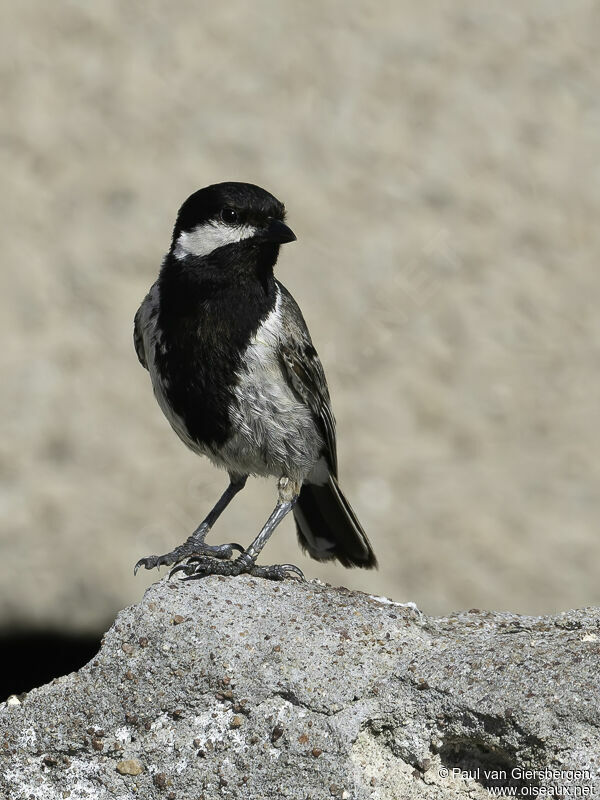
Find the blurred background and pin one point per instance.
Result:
(440, 165)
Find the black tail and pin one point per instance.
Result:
(328, 528)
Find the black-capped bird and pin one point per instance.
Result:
(235, 372)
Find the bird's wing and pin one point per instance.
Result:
(138, 336)
(305, 371)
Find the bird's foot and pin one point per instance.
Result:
(277, 572)
(193, 547)
(200, 566)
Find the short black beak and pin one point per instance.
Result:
(278, 232)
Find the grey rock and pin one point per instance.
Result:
(225, 688)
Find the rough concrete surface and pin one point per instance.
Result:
(441, 167)
(226, 688)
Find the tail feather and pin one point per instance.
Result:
(328, 527)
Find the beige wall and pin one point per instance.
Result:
(440, 165)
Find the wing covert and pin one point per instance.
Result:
(305, 372)
(138, 338)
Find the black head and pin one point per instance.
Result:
(226, 214)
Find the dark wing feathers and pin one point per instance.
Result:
(305, 372)
(138, 338)
(327, 526)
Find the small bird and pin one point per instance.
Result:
(235, 372)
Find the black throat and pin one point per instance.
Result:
(210, 308)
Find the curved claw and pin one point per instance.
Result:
(220, 551)
(277, 572)
(295, 570)
(149, 562)
(187, 568)
(202, 566)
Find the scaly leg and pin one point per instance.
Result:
(195, 544)
(199, 566)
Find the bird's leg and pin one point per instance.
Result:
(199, 566)
(195, 543)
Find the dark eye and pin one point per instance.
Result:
(229, 215)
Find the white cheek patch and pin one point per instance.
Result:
(204, 239)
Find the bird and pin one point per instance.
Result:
(235, 372)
